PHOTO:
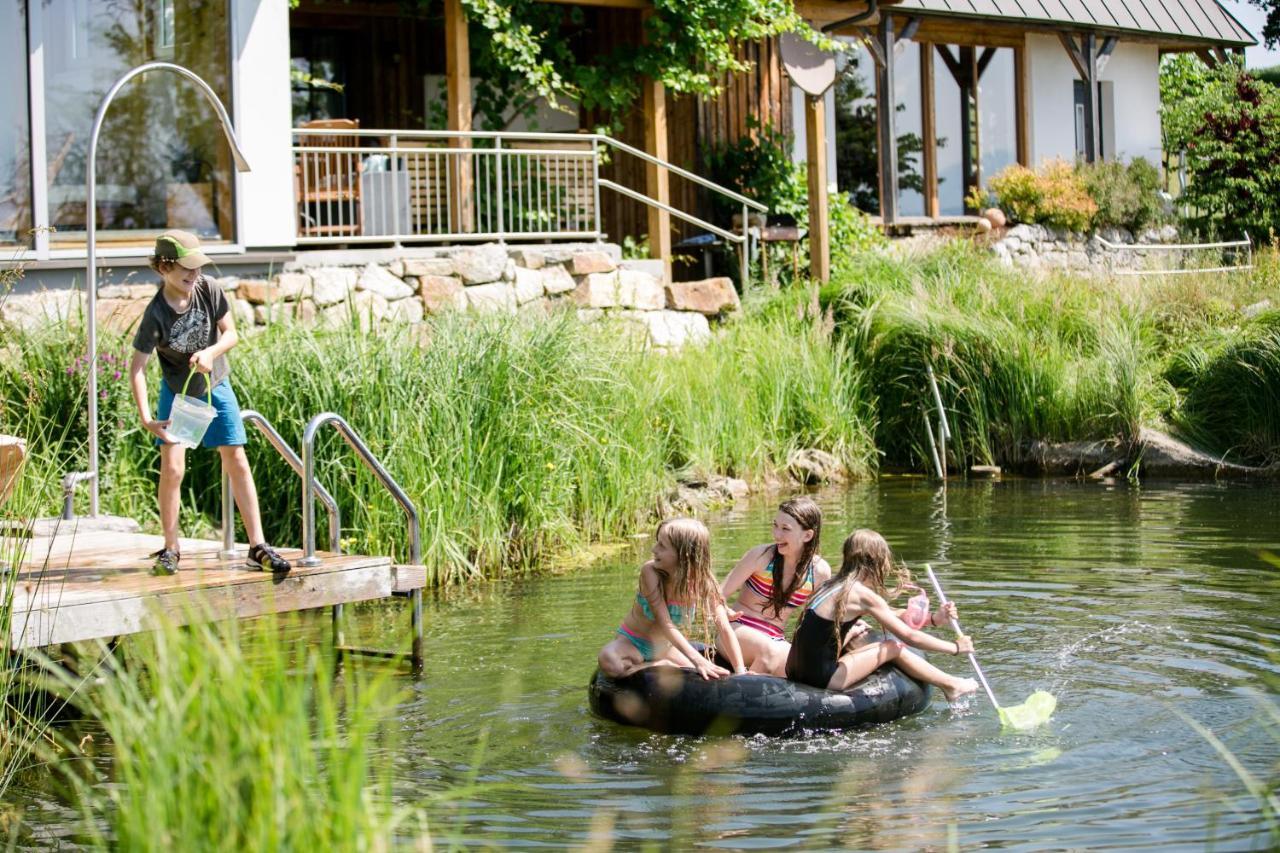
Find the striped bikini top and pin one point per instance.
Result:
(761, 584)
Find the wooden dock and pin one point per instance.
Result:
(84, 584)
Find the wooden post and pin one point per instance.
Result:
(815, 135)
(967, 116)
(929, 130)
(1089, 57)
(457, 48)
(657, 181)
(1022, 104)
(886, 121)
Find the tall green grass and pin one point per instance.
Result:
(514, 435)
(1022, 357)
(214, 747)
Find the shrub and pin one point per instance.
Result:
(759, 166)
(1126, 196)
(1055, 195)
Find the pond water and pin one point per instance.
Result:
(1140, 608)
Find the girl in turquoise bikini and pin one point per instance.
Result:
(676, 586)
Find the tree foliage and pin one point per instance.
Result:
(1271, 29)
(689, 46)
(1228, 124)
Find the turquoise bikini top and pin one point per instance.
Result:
(675, 611)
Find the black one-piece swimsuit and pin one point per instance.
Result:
(813, 659)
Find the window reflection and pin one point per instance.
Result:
(997, 115)
(15, 149)
(910, 129)
(162, 162)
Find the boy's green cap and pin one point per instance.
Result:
(181, 246)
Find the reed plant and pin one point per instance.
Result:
(219, 741)
(515, 436)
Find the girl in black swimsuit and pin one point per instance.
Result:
(824, 652)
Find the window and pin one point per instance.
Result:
(15, 130)
(162, 160)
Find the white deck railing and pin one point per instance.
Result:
(422, 186)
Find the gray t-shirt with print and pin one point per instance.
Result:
(175, 337)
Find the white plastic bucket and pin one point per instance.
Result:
(190, 417)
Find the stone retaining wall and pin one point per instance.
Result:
(1042, 248)
(371, 288)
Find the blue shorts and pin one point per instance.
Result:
(227, 429)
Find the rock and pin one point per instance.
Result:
(441, 293)
(1073, 458)
(995, 216)
(293, 285)
(597, 290)
(376, 279)
(228, 283)
(586, 263)
(330, 285)
(1169, 234)
(40, 308)
(129, 291)
(674, 329)
(305, 312)
(258, 292)
(1256, 308)
(985, 471)
(1026, 233)
(812, 467)
(427, 266)
(590, 315)
(406, 310)
(480, 264)
(274, 312)
(364, 309)
(557, 280)
(711, 297)
(242, 313)
(983, 224)
(528, 285)
(509, 271)
(730, 487)
(530, 259)
(496, 298)
(1160, 455)
(640, 290)
(121, 315)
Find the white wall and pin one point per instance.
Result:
(262, 111)
(1134, 69)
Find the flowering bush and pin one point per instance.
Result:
(1056, 195)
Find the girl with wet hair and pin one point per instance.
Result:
(826, 650)
(676, 587)
(773, 581)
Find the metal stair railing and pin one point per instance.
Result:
(744, 247)
(309, 558)
(513, 189)
(287, 453)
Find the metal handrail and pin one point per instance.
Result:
(371, 462)
(711, 185)
(701, 223)
(1247, 243)
(282, 447)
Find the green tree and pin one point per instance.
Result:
(1229, 126)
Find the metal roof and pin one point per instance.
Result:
(1193, 20)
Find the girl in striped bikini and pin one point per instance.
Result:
(775, 580)
(676, 586)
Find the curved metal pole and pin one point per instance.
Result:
(309, 486)
(286, 452)
(91, 226)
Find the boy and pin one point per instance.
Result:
(189, 324)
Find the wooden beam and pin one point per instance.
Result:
(457, 47)
(815, 137)
(869, 38)
(1077, 58)
(886, 121)
(1022, 103)
(970, 124)
(1089, 55)
(984, 60)
(953, 64)
(929, 130)
(909, 29)
(657, 180)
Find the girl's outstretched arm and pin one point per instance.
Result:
(885, 615)
(729, 638)
(651, 589)
(744, 569)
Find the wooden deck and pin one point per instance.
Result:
(79, 585)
